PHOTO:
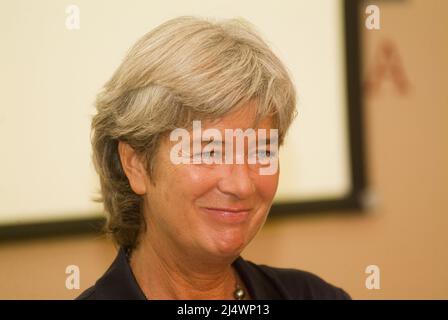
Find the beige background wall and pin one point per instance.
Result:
(405, 233)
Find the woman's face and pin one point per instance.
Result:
(212, 209)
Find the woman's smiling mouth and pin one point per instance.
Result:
(228, 215)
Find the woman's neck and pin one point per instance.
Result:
(167, 273)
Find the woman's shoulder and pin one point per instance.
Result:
(88, 294)
(294, 284)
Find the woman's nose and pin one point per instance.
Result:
(237, 181)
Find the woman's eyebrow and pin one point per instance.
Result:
(207, 140)
(267, 141)
(215, 141)
(219, 141)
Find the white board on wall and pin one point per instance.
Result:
(50, 76)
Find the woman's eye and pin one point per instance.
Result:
(210, 154)
(266, 154)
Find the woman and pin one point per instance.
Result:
(182, 216)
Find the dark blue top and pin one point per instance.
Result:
(262, 282)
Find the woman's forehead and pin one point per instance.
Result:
(244, 117)
(244, 123)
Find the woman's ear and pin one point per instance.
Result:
(133, 167)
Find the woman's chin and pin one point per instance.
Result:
(228, 246)
(225, 240)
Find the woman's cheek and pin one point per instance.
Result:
(197, 179)
(267, 186)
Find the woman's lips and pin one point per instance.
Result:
(228, 215)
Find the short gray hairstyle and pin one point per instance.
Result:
(187, 68)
